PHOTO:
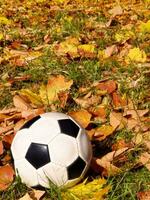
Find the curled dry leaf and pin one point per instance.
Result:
(83, 117)
(109, 86)
(26, 197)
(1, 147)
(6, 176)
(102, 132)
(98, 111)
(106, 160)
(117, 120)
(87, 50)
(145, 160)
(55, 85)
(145, 195)
(20, 103)
(92, 190)
(119, 101)
(87, 102)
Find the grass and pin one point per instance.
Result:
(59, 25)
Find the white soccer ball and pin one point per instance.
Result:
(51, 147)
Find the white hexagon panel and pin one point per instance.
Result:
(63, 150)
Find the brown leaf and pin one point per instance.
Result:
(117, 10)
(83, 117)
(121, 144)
(6, 176)
(6, 129)
(63, 97)
(20, 103)
(28, 114)
(117, 120)
(106, 160)
(145, 195)
(7, 139)
(26, 197)
(145, 160)
(87, 102)
(1, 147)
(135, 114)
(38, 194)
(109, 86)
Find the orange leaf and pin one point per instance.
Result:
(6, 176)
(118, 101)
(144, 195)
(7, 139)
(145, 160)
(110, 86)
(1, 148)
(83, 117)
(99, 111)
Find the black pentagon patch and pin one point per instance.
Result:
(76, 168)
(30, 122)
(38, 155)
(68, 127)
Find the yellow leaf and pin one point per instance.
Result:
(92, 190)
(55, 85)
(145, 27)
(69, 46)
(33, 97)
(136, 55)
(4, 20)
(102, 132)
(87, 50)
(1, 36)
(43, 94)
(124, 35)
(83, 117)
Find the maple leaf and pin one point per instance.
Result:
(145, 195)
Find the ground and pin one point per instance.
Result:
(90, 59)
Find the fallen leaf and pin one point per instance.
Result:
(145, 195)
(135, 114)
(145, 27)
(119, 101)
(106, 160)
(102, 132)
(87, 50)
(38, 194)
(123, 35)
(26, 197)
(55, 85)
(7, 140)
(136, 55)
(1, 147)
(83, 117)
(99, 111)
(6, 129)
(145, 160)
(31, 96)
(87, 102)
(4, 20)
(29, 114)
(109, 86)
(91, 190)
(6, 176)
(117, 10)
(117, 120)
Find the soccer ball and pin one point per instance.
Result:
(51, 147)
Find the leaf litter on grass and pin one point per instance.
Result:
(113, 100)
